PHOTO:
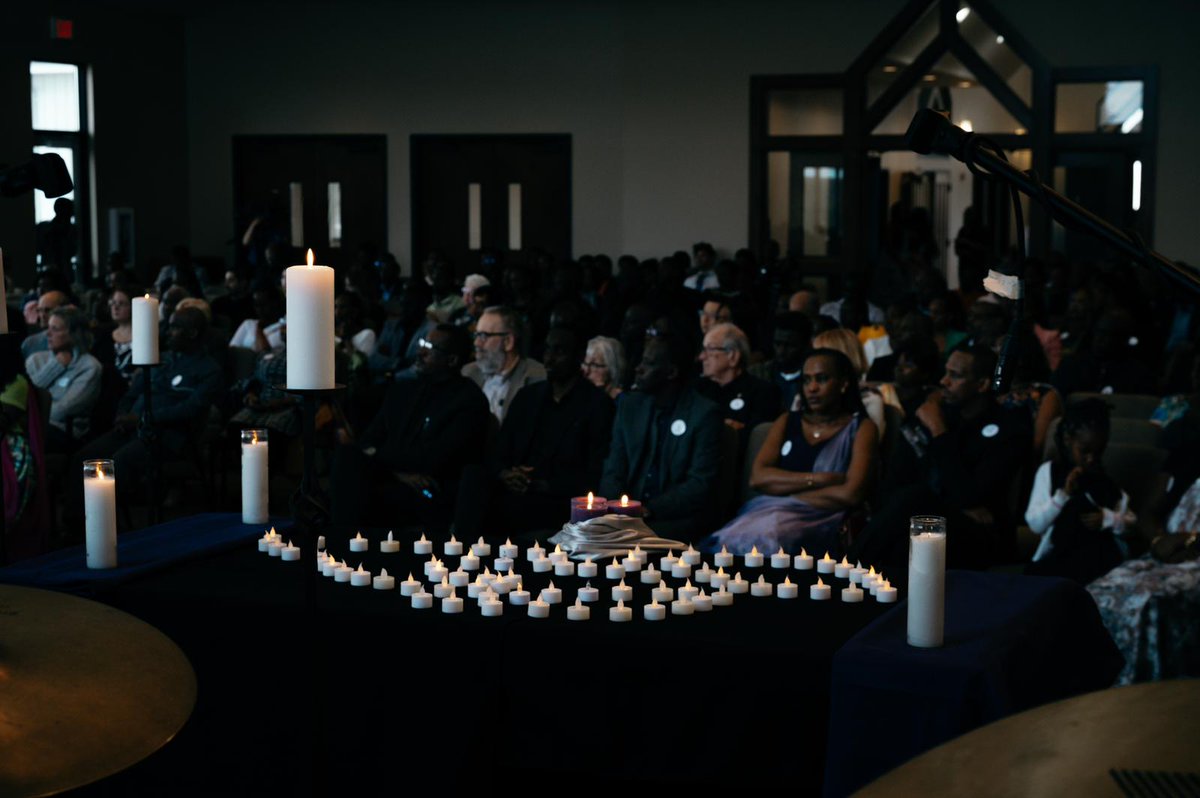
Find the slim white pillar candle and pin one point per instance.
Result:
(310, 326)
(255, 477)
(145, 331)
(926, 580)
(100, 513)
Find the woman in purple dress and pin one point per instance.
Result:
(815, 464)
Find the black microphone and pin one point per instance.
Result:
(46, 172)
(930, 132)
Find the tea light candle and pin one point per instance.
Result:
(662, 593)
(542, 565)
(452, 547)
(460, 578)
(275, 547)
(503, 563)
(654, 611)
(857, 573)
(558, 555)
(869, 578)
(552, 594)
(578, 612)
(342, 572)
(539, 609)
(682, 607)
(486, 595)
(886, 594)
(878, 583)
(359, 543)
(100, 511)
(310, 326)
(723, 559)
(518, 597)
(666, 562)
(443, 588)
(452, 604)
(422, 546)
(689, 591)
(651, 575)
(534, 552)
(584, 508)
(852, 594)
(681, 569)
(703, 574)
(788, 590)
(254, 476)
(587, 593)
(360, 578)
(631, 563)
(620, 613)
(722, 598)
(564, 568)
(615, 570)
(410, 586)
(803, 561)
(719, 580)
(509, 549)
(383, 581)
(781, 559)
(389, 546)
(702, 602)
(331, 565)
(738, 585)
(429, 564)
(640, 555)
(587, 569)
(481, 548)
(438, 572)
(476, 587)
(513, 579)
(753, 558)
(500, 585)
(627, 506)
(469, 562)
(842, 569)
(622, 592)
(691, 556)
(820, 591)
(290, 553)
(762, 587)
(825, 564)
(492, 608)
(422, 600)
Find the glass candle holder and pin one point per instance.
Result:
(255, 477)
(926, 580)
(100, 513)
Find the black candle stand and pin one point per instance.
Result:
(148, 435)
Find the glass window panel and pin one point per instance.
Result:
(951, 87)
(514, 216)
(335, 215)
(804, 112)
(804, 203)
(902, 53)
(474, 216)
(43, 208)
(55, 96)
(1111, 107)
(998, 55)
(296, 213)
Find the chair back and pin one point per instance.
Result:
(1136, 469)
(1137, 431)
(755, 442)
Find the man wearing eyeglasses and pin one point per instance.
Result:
(744, 399)
(499, 368)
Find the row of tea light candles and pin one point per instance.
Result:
(488, 587)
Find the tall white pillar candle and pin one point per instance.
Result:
(145, 331)
(926, 580)
(100, 513)
(254, 476)
(310, 326)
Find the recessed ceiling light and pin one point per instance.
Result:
(1020, 131)
(967, 126)
(962, 14)
(890, 68)
(964, 84)
(999, 40)
(929, 78)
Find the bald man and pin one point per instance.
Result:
(38, 342)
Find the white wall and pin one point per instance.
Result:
(655, 94)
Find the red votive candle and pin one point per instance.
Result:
(587, 507)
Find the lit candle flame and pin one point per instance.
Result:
(826, 557)
(787, 581)
(620, 604)
(507, 541)
(360, 568)
(614, 562)
(310, 258)
(389, 536)
(410, 577)
(844, 561)
(753, 551)
(624, 500)
(761, 579)
(551, 584)
(591, 498)
(738, 576)
(520, 587)
(422, 540)
(724, 550)
(803, 553)
(720, 570)
(383, 573)
(620, 585)
(820, 582)
(358, 536)
(662, 585)
(689, 583)
(452, 540)
(99, 471)
(872, 573)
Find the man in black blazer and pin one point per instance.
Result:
(665, 444)
(405, 467)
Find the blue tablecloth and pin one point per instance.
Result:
(1011, 643)
(138, 553)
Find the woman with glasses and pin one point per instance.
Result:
(604, 364)
(115, 346)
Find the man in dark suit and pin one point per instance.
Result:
(553, 442)
(665, 444)
(406, 465)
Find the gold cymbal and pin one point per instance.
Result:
(85, 691)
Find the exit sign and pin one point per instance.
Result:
(61, 28)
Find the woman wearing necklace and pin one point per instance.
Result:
(815, 464)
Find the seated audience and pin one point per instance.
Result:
(704, 277)
(959, 462)
(264, 331)
(407, 463)
(815, 464)
(69, 373)
(665, 444)
(46, 302)
(846, 342)
(115, 347)
(476, 295)
(715, 310)
(553, 441)
(499, 368)
(604, 365)
(792, 339)
(1077, 509)
(744, 400)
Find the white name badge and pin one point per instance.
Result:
(678, 427)
(737, 403)
(990, 431)
(787, 448)
(63, 382)
(176, 380)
